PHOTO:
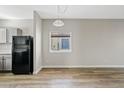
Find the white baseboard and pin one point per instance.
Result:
(86, 66)
(35, 72)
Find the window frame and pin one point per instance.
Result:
(61, 51)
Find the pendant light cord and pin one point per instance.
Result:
(62, 12)
(58, 10)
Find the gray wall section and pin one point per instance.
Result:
(37, 43)
(95, 43)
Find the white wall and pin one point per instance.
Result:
(37, 42)
(95, 43)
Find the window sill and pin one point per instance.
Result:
(61, 51)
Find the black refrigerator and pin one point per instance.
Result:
(22, 55)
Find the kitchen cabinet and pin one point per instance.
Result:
(1, 63)
(7, 33)
(8, 63)
(2, 35)
(13, 32)
(5, 62)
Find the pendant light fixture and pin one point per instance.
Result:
(58, 22)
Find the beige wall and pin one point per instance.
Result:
(25, 25)
(37, 43)
(94, 43)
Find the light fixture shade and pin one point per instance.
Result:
(58, 23)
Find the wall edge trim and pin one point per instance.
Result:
(86, 66)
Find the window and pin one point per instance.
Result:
(60, 42)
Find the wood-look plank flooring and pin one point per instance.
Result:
(66, 78)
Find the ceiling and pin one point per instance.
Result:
(72, 12)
